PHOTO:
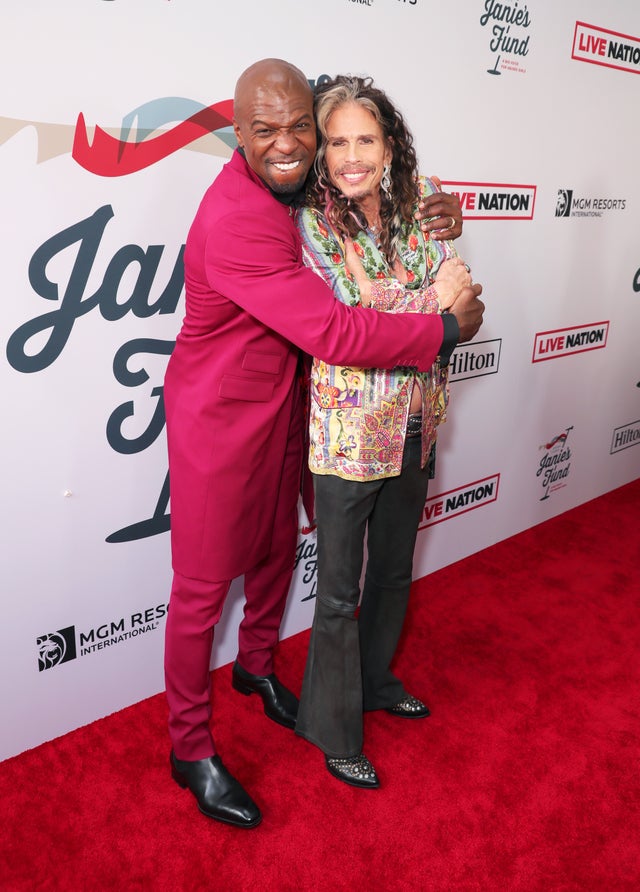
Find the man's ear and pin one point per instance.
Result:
(388, 154)
(236, 130)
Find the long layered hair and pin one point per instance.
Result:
(397, 206)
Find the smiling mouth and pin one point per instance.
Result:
(354, 176)
(285, 166)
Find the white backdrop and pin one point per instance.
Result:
(527, 111)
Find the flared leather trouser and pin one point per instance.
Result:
(348, 664)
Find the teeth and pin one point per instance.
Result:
(286, 166)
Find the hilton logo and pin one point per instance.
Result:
(475, 359)
(626, 436)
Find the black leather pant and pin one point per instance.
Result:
(347, 667)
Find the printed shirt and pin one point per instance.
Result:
(358, 417)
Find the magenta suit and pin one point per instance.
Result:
(235, 425)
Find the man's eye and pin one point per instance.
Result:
(303, 125)
(263, 133)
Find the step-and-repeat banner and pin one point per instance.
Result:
(114, 118)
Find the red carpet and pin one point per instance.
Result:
(525, 777)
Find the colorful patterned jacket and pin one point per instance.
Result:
(358, 417)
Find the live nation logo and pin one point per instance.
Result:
(494, 201)
(458, 501)
(555, 464)
(600, 46)
(507, 24)
(63, 645)
(475, 359)
(569, 204)
(564, 341)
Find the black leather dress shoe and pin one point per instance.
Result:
(355, 770)
(409, 708)
(218, 793)
(279, 703)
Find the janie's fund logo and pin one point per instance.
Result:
(306, 566)
(555, 464)
(56, 647)
(507, 24)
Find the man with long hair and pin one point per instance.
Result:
(372, 430)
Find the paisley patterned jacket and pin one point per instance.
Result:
(358, 417)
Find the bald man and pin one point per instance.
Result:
(235, 415)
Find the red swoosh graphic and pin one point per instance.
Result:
(555, 440)
(111, 157)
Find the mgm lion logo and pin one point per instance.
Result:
(563, 203)
(56, 647)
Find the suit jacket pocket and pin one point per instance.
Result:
(269, 363)
(234, 388)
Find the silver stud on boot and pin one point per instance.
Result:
(409, 708)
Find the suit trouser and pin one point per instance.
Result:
(195, 607)
(348, 661)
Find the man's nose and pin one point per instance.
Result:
(286, 142)
(351, 151)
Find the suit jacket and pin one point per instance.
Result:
(231, 380)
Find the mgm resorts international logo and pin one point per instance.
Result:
(459, 501)
(493, 201)
(564, 341)
(66, 644)
(555, 464)
(569, 204)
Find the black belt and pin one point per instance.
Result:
(414, 425)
